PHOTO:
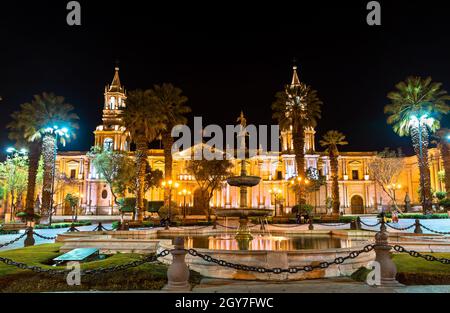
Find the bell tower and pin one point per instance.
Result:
(112, 134)
(286, 135)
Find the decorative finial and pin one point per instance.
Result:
(117, 65)
(294, 63)
(242, 120)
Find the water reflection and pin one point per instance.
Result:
(266, 242)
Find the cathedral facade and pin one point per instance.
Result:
(359, 193)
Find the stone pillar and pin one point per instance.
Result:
(178, 272)
(311, 226)
(29, 239)
(417, 228)
(382, 250)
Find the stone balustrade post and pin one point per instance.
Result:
(29, 239)
(382, 249)
(311, 226)
(178, 272)
(417, 228)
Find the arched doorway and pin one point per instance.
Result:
(357, 205)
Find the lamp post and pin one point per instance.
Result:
(56, 131)
(394, 187)
(169, 184)
(276, 192)
(299, 181)
(184, 193)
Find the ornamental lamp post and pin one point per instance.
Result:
(184, 193)
(276, 192)
(394, 187)
(169, 184)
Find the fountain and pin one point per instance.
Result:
(243, 235)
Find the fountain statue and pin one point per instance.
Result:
(243, 235)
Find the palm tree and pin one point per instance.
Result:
(332, 139)
(38, 121)
(444, 148)
(297, 108)
(415, 109)
(21, 129)
(172, 109)
(142, 120)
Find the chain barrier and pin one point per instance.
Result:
(434, 231)
(332, 224)
(292, 270)
(401, 228)
(44, 237)
(416, 254)
(100, 270)
(13, 241)
(286, 226)
(369, 225)
(229, 227)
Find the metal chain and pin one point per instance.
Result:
(434, 231)
(368, 225)
(13, 241)
(332, 224)
(292, 270)
(115, 268)
(399, 228)
(416, 254)
(230, 227)
(44, 237)
(287, 226)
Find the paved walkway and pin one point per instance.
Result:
(337, 285)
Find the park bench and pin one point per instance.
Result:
(13, 226)
(78, 255)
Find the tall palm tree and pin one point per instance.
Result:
(444, 148)
(40, 115)
(416, 106)
(172, 110)
(331, 140)
(21, 129)
(142, 120)
(297, 108)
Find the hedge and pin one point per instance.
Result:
(62, 225)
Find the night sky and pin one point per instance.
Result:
(225, 57)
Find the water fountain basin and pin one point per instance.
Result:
(243, 212)
(243, 181)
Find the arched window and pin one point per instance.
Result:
(108, 144)
(112, 103)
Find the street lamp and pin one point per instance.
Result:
(169, 184)
(276, 192)
(394, 187)
(184, 193)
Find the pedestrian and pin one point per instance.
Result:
(395, 216)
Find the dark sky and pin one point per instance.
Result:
(226, 57)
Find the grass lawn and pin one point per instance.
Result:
(149, 276)
(415, 271)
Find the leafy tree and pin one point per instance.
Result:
(209, 175)
(385, 169)
(297, 108)
(13, 179)
(142, 120)
(415, 109)
(331, 140)
(114, 167)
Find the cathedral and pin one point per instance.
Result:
(359, 193)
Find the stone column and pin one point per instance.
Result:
(178, 272)
(382, 249)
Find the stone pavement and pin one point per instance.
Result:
(335, 285)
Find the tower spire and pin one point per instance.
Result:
(115, 85)
(295, 79)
